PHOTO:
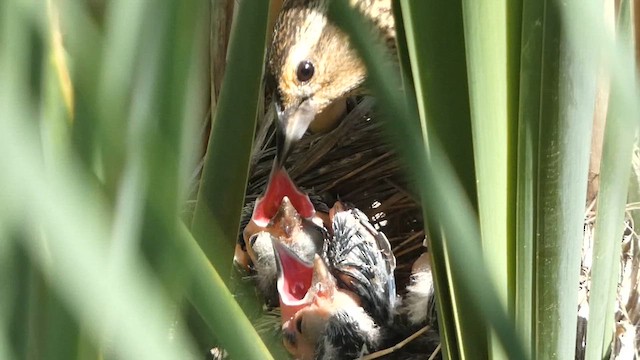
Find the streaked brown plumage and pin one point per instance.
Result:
(312, 66)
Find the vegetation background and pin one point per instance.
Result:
(108, 107)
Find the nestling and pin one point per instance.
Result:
(284, 213)
(344, 304)
(341, 302)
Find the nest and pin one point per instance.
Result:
(352, 163)
(355, 164)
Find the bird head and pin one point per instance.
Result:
(334, 304)
(281, 209)
(313, 307)
(301, 283)
(310, 66)
(286, 214)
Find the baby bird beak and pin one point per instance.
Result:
(286, 213)
(300, 282)
(309, 298)
(279, 186)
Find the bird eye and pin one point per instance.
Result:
(299, 324)
(252, 239)
(305, 71)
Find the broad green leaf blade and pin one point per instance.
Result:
(614, 176)
(568, 96)
(624, 49)
(62, 331)
(125, 25)
(615, 173)
(83, 41)
(442, 194)
(8, 290)
(530, 108)
(487, 55)
(72, 218)
(439, 71)
(65, 224)
(36, 315)
(224, 176)
(485, 26)
(55, 332)
(84, 241)
(217, 305)
(18, 302)
(514, 49)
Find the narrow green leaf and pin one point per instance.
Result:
(35, 300)
(217, 305)
(73, 219)
(125, 23)
(10, 276)
(567, 93)
(485, 28)
(224, 176)
(439, 71)
(442, 194)
(83, 40)
(60, 329)
(625, 48)
(8, 290)
(615, 173)
(18, 305)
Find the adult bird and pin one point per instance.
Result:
(312, 67)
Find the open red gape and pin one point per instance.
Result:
(279, 186)
(294, 282)
(296, 276)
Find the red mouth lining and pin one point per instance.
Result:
(296, 275)
(280, 185)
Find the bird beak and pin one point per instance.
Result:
(299, 282)
(294, 280)
(292, 124)
(280, 185)
(323, 282)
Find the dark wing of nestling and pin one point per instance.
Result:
(383, 245)
(360, 258)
